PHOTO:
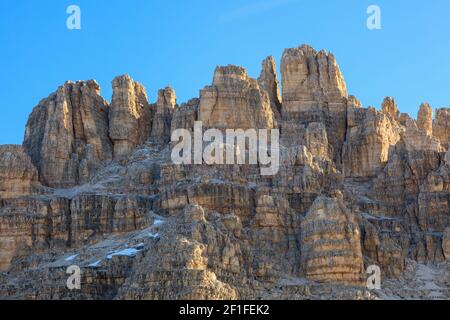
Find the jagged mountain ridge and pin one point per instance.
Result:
(356, 187)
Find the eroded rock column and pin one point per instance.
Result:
(235, 101)
(330, 243)
(165, 107)
(425, 119)
(67, 134)
(130, 116)
(18, 176)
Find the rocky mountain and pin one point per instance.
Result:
(94, 186)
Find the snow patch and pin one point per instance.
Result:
(152, 235)
(216, 181)
(129, 252)
(95, 264)
(71, 258)
(73, 192)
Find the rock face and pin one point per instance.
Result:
(268, 81)
(184, 275)
(425, 119)
(35, 224)
(95, 186)
(446, 243)
(314, 90)
(416, 138)
(235, 101)
(310, 77)
(370, 136)
(165, 107)
(390, 108)
(441, 126)
(67, 134)
(18, 176)
(331, 250)
(185, 116)
(130, 116)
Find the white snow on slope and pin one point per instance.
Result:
(95, 264)
(129, 252)
(71, 258)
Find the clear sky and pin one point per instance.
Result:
(180, 42)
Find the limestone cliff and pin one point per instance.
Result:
(18, 176)
(130, 116)
(314, 90)
(67, 134)
(94, 185)
(235, 101)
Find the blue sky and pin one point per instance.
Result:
(179, 43)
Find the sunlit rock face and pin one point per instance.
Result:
(331, 243)
(130, 116)
(441, 126)
(162, 121)
(185, 115)
(268, 81)
(94, 185)
(313, 90)
(18, 176)
(425, 119)
(235, 101)
(371, 135)
(389, 107)
(67, 134)
(310, 77)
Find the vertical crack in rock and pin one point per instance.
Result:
(67, 134)
(130, 116)
(94, 185)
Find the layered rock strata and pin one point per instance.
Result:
(165, 107)
(441, 126)
(314, 90)
(331, 244)
(235, 101)
(130, 116)
(67, 134)
(94, 185)
(18, 175)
